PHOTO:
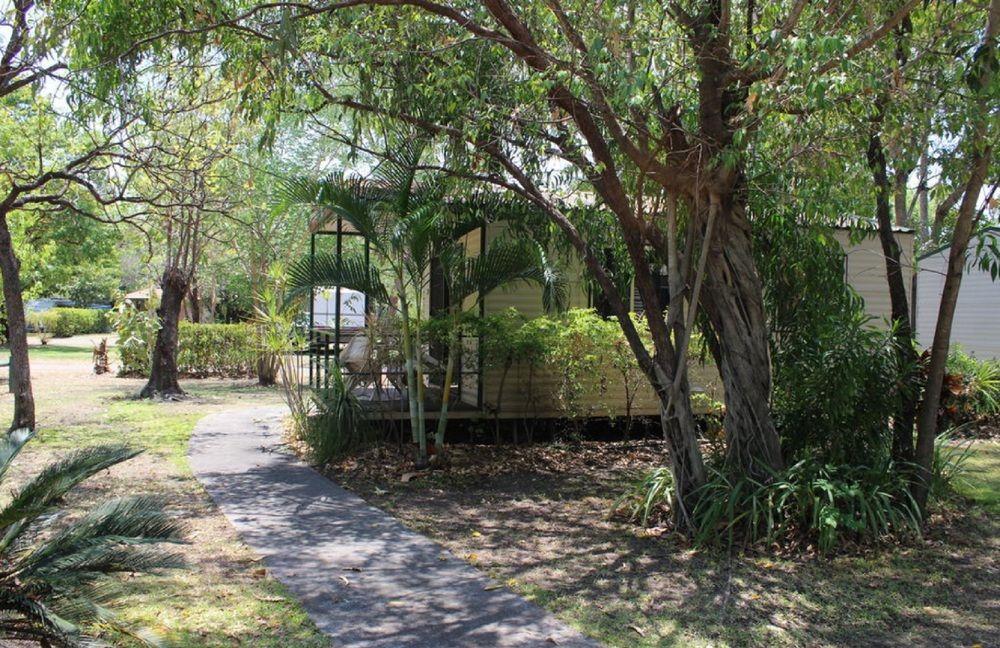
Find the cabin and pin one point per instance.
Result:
(976, 326)
(864, 265)
(345, 331)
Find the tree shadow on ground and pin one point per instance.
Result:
(551, 535)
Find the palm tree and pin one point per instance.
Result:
(502, 263)
(408, 221)
(56, 582)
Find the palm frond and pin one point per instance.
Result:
(399, 173)
(107, 540)
(350, 199)
(10, 445)
(508, 262)
(39, 494)
(327, 269)
(54, 583)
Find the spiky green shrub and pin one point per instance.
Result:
(649, 498)
(809, 501)
(57, 578)
(949, 465)
(339, 426)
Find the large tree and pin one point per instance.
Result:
(651, 108)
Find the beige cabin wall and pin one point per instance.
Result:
(864, 270)
(535, 392)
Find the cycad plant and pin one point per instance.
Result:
(56, 579)
(408, 220)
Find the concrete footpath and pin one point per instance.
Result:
(364, 578)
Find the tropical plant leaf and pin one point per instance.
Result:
(347, 271)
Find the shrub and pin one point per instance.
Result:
(971, 388)
(66, 322)
(648, 498)
(950, 455)
(58, 576)
(810, 502)
(340, 426)
(136, 331)
(229, 350)
(837, 377)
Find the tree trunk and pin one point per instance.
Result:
(17, 333)
(686, 465)
(267, 369)
(979, 166)
(163, 368)
(906, 355)
(194, 304)
(733, 301)
(928, 416)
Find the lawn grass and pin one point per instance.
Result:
(225, 596)
(980, 483)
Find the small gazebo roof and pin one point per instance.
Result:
(325, 221)
(144, 293)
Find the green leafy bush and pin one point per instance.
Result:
(66, 322)
(136, 331)
(229, 350)
(971, 388)
(811, 501)
(950, 455)
(837, 375)
(59, 575)
(340, 426)
(649, 498)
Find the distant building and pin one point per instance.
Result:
(976, 327)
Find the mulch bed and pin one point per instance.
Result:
(388, 463)
(986, 428)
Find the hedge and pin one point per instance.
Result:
(64, 322)
(223, 350)
(228, 350)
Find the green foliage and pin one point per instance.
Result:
(65, 322)
(586, 352)
(58, 577)
(339, 427)
(972, 388)
(648, 498)
(578, 349)
(227, 350)
(136, 330)
(811, 502)
(949, 464)
(506, 339)
(837, 379)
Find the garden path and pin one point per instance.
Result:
(364, 578)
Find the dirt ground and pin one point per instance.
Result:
(541, 524)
